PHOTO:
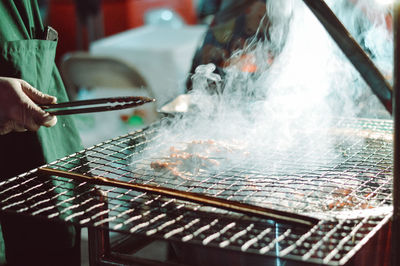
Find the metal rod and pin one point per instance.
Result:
(278, 216)
(395, 254)
(353, 51)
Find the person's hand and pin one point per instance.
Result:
(18, 107)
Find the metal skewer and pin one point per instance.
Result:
(276, 215)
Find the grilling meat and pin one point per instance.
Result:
(187, 159)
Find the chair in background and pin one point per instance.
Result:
(83, 70)
(90, 76)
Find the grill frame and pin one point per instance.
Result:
(92, 211)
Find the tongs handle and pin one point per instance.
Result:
(122, 103)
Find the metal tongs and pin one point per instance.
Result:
(107, 104)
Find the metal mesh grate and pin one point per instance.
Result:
(349, 190)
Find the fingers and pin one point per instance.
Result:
(43, 118)
(32, 117)
(28, 114)
(18, 107)
(5, 128)
(49, 120)
(35, 95)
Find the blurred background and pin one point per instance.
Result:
(112, 48)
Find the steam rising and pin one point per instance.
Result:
(283, 114)
(309, 84)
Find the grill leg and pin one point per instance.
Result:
(396, 167)
(98, 245)
(98, 239)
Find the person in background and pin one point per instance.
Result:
(237, 22)
(30, 137)
(89, 18)
(234, 23)
(206, 9)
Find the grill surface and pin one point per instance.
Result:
(348, 190)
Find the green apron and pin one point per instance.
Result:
(25, 55)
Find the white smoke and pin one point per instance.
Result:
(309, 84)
(369, 22)
(283, 114)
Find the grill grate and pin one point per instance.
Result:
(348, 190)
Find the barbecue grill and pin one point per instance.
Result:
(347, 195)
(298, 207)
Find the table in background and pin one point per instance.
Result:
(163, 55)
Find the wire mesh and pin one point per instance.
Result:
(348, 190)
